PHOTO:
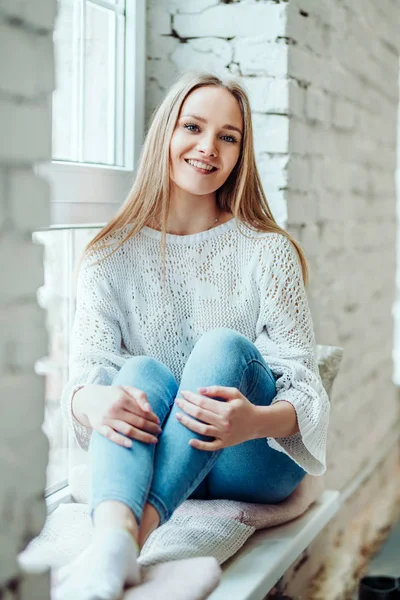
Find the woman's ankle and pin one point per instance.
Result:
(113, 513)
(150, 522)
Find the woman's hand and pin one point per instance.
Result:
(231, 422)
(116, 409)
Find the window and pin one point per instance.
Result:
(98, 107)
(97, 133)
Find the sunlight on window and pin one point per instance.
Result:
(88, 106)
(57, 296)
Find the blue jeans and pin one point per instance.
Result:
(171, 471)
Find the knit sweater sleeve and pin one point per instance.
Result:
(285, 338)
(95, 341)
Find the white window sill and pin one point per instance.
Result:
(266, 556)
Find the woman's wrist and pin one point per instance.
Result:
(79, 406)
(277, 420)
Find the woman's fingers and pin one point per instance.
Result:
(135, 401)
(128, 430)
(138, 421)
(113, 436)
(193, 425)
(200, 413)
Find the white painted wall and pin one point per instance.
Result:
(26, 82)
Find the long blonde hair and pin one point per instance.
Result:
(241, 194)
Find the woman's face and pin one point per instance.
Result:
(207, 134)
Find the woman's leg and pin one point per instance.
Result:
(121, 478)
(125, 474)
(221, 357)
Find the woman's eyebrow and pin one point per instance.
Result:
(231, 127)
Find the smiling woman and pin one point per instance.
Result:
(222, 307)
(203, 154)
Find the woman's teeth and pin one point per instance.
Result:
(200, 165)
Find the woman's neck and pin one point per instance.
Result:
(192, 227)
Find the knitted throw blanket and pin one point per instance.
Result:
(180, 559)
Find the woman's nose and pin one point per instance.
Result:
(207, 147)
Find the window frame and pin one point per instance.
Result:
(79, 189)
(84, 193)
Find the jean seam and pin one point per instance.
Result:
(194, 483)
(255, 360)
(159, 505)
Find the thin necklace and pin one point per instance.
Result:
(215, 221)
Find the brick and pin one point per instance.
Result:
(158, 47)
(158, 20)
(322, 9)
(160, 74)
(26, 62)
(190, 6)
(343, 114)
(301, 207)
(273, 170)
(40, 15)
(208, 54)
(24, 338)
(298, 173)
(24, 413)
(3, 199)
(297, 99)
(21, 267)
(28, 216)
(306, 66)
(317, 106)
(240, 19)
(271, 133)
(256, 55)
(268, 94)
(277, 203)
(26, 131)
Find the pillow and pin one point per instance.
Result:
(328, 359)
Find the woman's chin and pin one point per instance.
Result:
(200, 189)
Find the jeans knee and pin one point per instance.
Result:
(145, 368)
(223, 340)
(139, 362)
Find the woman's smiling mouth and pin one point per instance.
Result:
(201, 167)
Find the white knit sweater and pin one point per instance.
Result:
(230, 276)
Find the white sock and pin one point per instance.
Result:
(102, 570)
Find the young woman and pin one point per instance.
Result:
(193, 368)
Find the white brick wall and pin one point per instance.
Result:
(240, 38)
(322, 78)
(26, 81)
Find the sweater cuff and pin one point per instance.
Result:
(81, 433)
(307, 447)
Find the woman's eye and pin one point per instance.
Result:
(188, 125)
(231, 139)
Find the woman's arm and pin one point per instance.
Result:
(278, 420)
(80, 403)
(285, 338)
(95, 348)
